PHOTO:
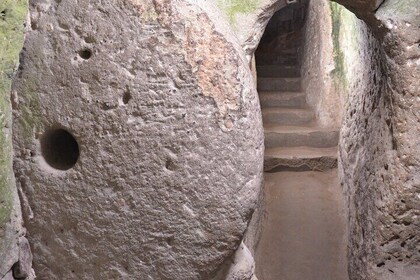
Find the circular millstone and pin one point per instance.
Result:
(138, 141)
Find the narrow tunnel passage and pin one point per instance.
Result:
(303, 234)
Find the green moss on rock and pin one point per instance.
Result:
(12, 18)
(234, 7)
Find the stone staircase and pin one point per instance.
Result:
(303, 225)
(293, 140)
(303, 228)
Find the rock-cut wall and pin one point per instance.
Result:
(318, 65)
(138, 140)
(379, 147)
(365, 138)
(15, 255)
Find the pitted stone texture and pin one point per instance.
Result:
(399, 241)
(171, 147)
(379, 149)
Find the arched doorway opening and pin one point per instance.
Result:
(304, 227)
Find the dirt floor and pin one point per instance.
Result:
(303, 235)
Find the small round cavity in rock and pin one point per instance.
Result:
(85, 53)
(126, 97)
(59, 149)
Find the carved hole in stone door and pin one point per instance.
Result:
(85, 54)
(59, 149)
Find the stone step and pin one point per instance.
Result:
(282, 99)
(279, 84)
(300, 159)
(287, 116)
(293, 136)
(278, 59)
(278, 71)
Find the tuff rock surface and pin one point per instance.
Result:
(165, 115)
(12, 18)
(163, 165)
(379, 149)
